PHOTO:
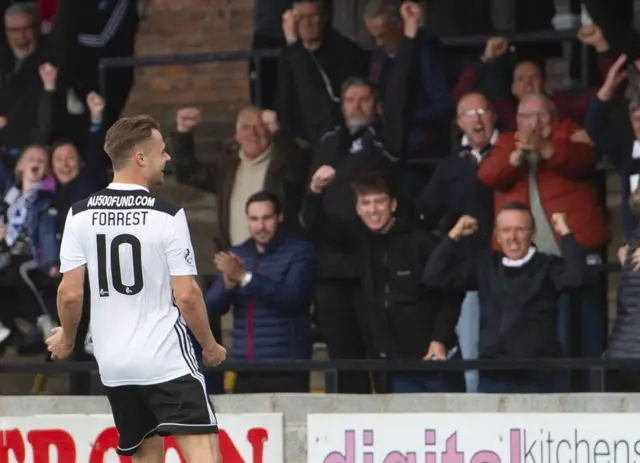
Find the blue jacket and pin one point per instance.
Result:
(41, 223)
(271, 314)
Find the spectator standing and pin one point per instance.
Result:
(519, 287)
(27, 83)
(361, 141)
(267, 159)
(401, 318)
(454, 191)
(430, 107)
(618, 137)
(269, 282)
(528, 78)
(29, 245)
(549, 165)
(329, 60)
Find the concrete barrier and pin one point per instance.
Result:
(296, 407)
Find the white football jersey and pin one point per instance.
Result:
(132, 244)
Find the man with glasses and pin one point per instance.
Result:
(454, 191)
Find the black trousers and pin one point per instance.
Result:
(25, 291)
(336, 314)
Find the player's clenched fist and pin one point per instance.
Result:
(215, 356)
(466, 226)
(56, 344)
(323, 176)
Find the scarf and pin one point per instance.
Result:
(18, 211)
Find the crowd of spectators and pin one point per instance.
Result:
(378, 205)
(420, 218)
(52, 125)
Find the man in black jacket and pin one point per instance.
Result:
(455, 190)
(400, 317)
(329, 60)
(519, 289)
(361, 140)
(27, 83)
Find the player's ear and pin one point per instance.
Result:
(138, 158)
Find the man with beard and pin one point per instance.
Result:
(454, 191)
(402, 319)
(362, 142)
(624, 341)
(519, 287)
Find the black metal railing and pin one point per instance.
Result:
(595, 367)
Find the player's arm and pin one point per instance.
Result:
(186, 291)
(71, 289)
(70, 298)
(190, 301)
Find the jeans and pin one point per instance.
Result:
(417, 382)
(468, 331)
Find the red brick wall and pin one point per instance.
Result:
(193, 26)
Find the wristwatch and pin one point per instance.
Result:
(246, 279)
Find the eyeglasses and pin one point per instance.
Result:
(474, 112)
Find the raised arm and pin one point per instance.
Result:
(394, 111)
(471, 77)
(188, 169)
(321, 111)
(312, 216)
(569, 271)
(446, 269)
(43, 128)
(613, 140)
(96, 161)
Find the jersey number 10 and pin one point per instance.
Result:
(115, 268)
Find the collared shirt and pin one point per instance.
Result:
(479, 155)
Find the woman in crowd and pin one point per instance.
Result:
(29, 255)
(79, 175)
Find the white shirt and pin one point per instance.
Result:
(132, 244)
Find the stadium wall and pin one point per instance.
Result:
(353, 429)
